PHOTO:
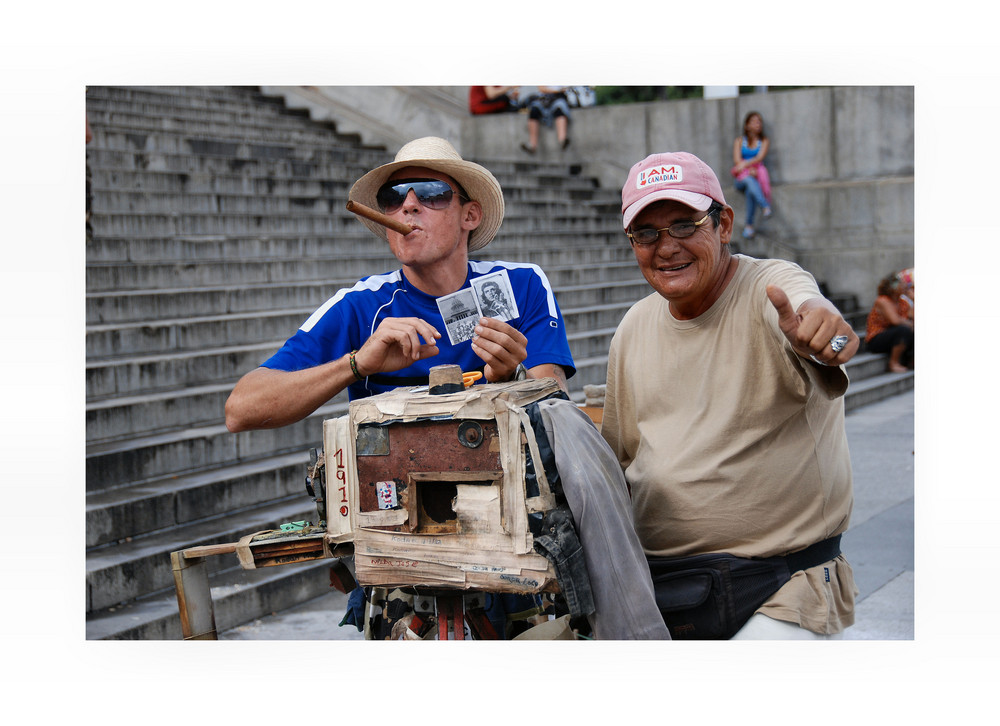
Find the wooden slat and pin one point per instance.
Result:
(193, 553)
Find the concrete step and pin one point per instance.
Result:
(858, 320)
(221, 117)
(226, 139)
(215, 202)
(124, 417)
(156, 416)
(238, 98)
(865, 365)
(132, 375)
(212, 134)
(107, 108)
(238, 596)
(191, 334)
(151, 182)
(187, 249)
(188, 224)
(332, 163)
(590, 371)
(877, 387)
(590, 344)
(595, 317)
(116, 515)
(123, 572)
(118, 277)
(629, 289)
(121, 152)
(124, 307)
(139, 460)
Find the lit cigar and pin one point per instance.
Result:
(369, 213)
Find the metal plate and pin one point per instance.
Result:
(373, 440)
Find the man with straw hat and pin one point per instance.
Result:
(387, 330)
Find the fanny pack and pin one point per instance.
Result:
(710, 597)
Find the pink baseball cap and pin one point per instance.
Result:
(675, 175)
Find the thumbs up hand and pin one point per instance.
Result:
(815, 329)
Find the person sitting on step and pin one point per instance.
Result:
(889, 330)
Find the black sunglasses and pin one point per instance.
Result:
(431, 193)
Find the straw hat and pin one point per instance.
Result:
(436, 153)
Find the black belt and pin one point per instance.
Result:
(812, 555)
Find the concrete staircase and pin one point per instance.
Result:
(217, 225)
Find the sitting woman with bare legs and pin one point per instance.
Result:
(889, 331)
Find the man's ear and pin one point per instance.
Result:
(472, 215)
(726, 217)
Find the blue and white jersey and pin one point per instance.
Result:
(348, 319)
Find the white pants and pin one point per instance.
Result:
(761, 627)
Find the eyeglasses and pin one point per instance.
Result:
(431, 193)
(678, 230)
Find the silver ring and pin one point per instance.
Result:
(838, 342)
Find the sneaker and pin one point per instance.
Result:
(748, 232)
(528, 149)
(565, 142)
(767, 212)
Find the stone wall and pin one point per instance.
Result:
(841, 164)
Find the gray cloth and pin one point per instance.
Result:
(595, 490)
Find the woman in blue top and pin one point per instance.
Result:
(751, 175)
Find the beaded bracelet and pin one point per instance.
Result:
(354, 366)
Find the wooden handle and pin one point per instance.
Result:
(369, 213)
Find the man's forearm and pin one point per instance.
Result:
(550, 370)
(266, 398)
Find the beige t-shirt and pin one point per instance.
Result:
(730, 441)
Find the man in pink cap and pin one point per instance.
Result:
(724, 405)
